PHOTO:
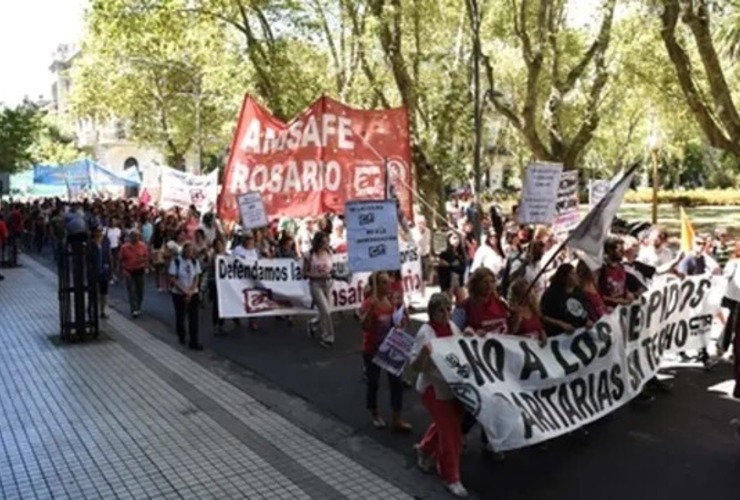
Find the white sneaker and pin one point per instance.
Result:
(424, 461)
(457, 489)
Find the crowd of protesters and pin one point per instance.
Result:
(499, 286)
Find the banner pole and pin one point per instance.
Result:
(406, 185)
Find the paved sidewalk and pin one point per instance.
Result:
(130, 417)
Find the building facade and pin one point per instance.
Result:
(107, 142)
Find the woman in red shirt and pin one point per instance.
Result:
(482, 313)
(595, 305)
(376, 317)
(525, 319)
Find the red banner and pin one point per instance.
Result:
(328, 155)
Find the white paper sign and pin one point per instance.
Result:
(252, 210)
(540, 193)
(597, 190)
(372, 235)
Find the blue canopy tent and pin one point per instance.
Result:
(102, 177)
(72, 175)
(79, 175)
(21, 184)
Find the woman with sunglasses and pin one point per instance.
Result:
(441, 445)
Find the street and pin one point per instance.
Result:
(678, 447)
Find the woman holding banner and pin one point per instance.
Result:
(482, 313)
(441, 445)
(563, 306)
(376, 317)
(317, 267)
(525, 319)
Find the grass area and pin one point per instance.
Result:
(704, 219)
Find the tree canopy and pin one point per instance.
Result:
(28, 135)
(582, 83)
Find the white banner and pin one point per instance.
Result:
(523, 394)
(182, 189)
(276, 287)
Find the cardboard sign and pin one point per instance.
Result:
(567, 214)
(372, 235)
(540, 193)
(395, 352)
(252, 210)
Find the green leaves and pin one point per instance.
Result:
(29, 135)
(18, 129)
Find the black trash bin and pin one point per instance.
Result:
(78, 288)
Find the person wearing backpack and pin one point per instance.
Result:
(185, 273)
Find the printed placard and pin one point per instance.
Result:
(252, 210)
(372, 235)
(567, 214)
(394, 352)
(597, 189)
(540, 193)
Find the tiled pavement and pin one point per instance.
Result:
(131, 417)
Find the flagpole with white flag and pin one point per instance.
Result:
(589, 236)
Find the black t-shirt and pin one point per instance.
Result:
(556, 303)
(638, 276)
(456, 260)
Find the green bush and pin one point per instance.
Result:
(692, 198)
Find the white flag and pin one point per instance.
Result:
(589, 236)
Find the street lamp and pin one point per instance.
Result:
(653, 144)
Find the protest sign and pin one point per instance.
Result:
(496, 178)
(252, 210)
(372, 235)
(182, 189)
(597, 189)
(394, 352)
(276, 287)
(523, 393)
(540, 193)
(567, 215)
(314, 164)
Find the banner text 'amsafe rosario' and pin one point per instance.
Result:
(329, 154)
(523, 394)
(272, 287)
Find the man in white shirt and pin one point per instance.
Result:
(247, 249)
(114, 233)
(656, 253)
